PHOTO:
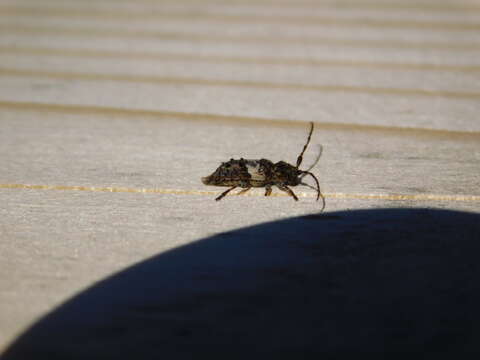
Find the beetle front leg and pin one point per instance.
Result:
(225, 193)
(288, 191)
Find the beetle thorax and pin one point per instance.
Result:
(286, 173)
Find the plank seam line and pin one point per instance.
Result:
(186, 116)
(334, 195)
(235, 18)
(238, 84)
(215, 59)
(440, 7)
(177, 36)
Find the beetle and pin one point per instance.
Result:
(246, 174)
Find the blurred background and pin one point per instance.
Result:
(403, 64)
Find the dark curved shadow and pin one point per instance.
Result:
(386, 281)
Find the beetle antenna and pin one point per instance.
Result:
(317, 159)
(300, 157)
(319, 193)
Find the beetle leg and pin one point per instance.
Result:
(243, 191)
(288, 191)
(268, 190)
(225, 193)
(319, 193)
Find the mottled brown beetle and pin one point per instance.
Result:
(262, 173)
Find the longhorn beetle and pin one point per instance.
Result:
(246, 174)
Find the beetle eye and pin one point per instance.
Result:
(227, 165)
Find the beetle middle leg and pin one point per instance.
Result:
(268, 190)
(288, 191)
(225, 193)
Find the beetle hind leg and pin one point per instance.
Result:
(288, 191)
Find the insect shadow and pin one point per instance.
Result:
(247, 173)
